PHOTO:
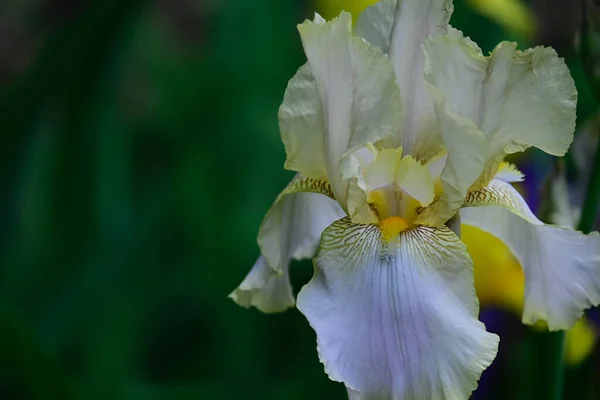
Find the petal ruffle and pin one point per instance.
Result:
(345, 97)
(265, 289)
(492, 106)
(562, 266)
(397, 324)
(400, 28)
(291, 228)
(302, 126)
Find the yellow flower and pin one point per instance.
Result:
(331, 8)
(499, 279)
(512, 15)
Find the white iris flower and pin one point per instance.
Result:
(397, 131)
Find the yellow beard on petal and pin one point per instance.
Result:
(392, 227)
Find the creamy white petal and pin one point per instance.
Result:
(400, 28)
(509, 173)
(415, 179)
(360, 100)
(365, 156)
(517, 99)
(389, 168)
(492, 106)
(562, 266)
(436, 164)
(274, 238)
(358, 207)
(302, 128)
(383, 169)
(265, 289)
(458, 174)
(376, 23)
(312, 214)
(397, 324)
(454, 224)
(291, 228)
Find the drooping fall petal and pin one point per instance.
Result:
(397, 324)
(561, 265)
(291, 229)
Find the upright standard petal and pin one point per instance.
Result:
(397, 323)
(302, 126)
(562, 266)
(360, 101)
(376, 23)
(400, 27)
(489, 107)
(291, 228)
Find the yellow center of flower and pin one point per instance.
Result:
(396, 186)
(391, 227)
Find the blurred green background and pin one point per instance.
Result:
(139, 151)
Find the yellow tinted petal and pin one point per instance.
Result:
(562, 266)
(492, 106)
(580, 342)
(509, 173)
(415, 179)
(302, 126)
(400, 28)
(272, 232)
(331, 8)
(382, 170)
(499, 280)
(513, 15)
(360, 102)
(291, 229)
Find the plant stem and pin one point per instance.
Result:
(556, 342)
(592, 197)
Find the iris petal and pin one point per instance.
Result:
(265, 289)
(562, 266)
(489, 107)
(291, 228)
(352, 90)
(400, 28)
(397, 324)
